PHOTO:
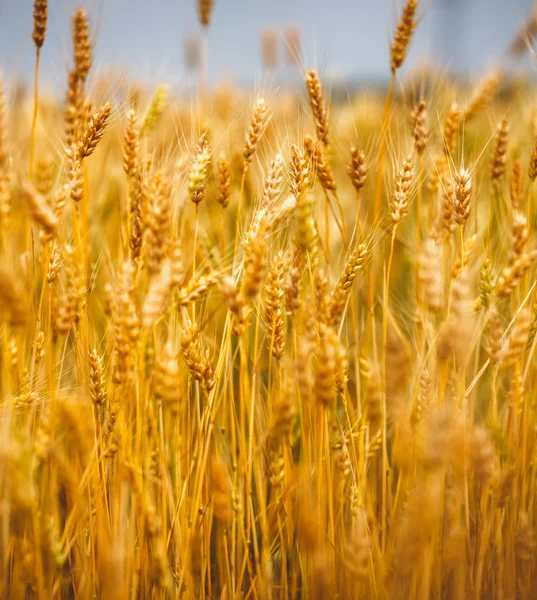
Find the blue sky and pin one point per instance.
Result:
(347, 38)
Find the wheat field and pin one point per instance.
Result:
(267, 344)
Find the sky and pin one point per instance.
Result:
(347, 39)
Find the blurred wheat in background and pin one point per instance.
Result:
(268, 344)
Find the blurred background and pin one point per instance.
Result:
(346, 40)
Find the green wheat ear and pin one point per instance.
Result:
(154, 110)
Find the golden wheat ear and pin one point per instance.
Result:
(131, 145)
(205, 9)
(499, 156)
(40, 22)
(463, 194)
(82, 45)
(319, 164)
(482, 96)
(419, 129)
(357, 168)
(224, 181)
(38, 36)
(256, 129)
(269, 49)
(401, 196)
(318, 108)
(403, 35)
(94, 131)
(199, 170)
